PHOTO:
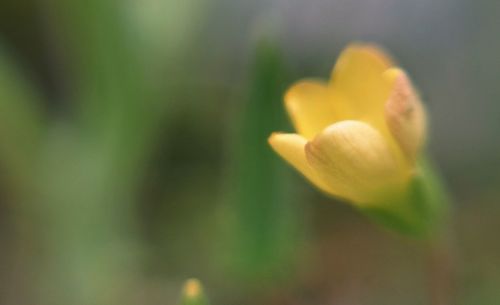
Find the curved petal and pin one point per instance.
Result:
(405, 114)
(309, 107)
(357, 79)
(355, 160)
(291, 148)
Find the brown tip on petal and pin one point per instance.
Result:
(403, 97)
(312, 152)
(405, 114)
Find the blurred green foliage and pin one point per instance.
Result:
(22, 124)
(265, 222)
(114, 117)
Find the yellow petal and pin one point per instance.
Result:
(291, 148)
(355, 161)
(405, 114)
(309, 107)
(358, 82)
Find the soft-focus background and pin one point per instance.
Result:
(133, 151)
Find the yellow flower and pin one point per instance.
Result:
(359, 134)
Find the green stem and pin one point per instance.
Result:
(441, 268)
(424, 213)
(440, 244)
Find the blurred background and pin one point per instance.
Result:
(133, 151)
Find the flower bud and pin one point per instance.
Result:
(192, 293)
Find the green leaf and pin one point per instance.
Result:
(263, 211)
